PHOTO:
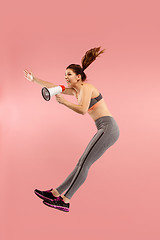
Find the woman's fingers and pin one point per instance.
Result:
(28, 75)
(26, 71)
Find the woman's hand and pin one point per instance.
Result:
(29, 75)
(60, 99)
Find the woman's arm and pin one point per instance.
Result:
(83, 106)
(74, 107)
(44, 83)
(67, 91)
(31, 77)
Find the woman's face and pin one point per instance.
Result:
(71, 77)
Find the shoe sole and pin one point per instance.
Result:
(57, 207)
(42, 197)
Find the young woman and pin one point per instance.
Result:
(91, 101)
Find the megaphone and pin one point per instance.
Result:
(47, 93)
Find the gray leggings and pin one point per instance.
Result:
(107, 134)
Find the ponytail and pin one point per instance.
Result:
(87, 59)
(91, 56)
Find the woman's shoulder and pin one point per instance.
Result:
(89, 85)
(95, 91)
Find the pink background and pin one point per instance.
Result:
(42, 141)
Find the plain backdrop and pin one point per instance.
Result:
(41, 142)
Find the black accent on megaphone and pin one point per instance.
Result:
(46, 94)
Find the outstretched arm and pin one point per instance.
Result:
(31, 77)
(44, 83)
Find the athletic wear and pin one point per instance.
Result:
(94, 101)
(58, 204)
(45, 195)
(107, 134)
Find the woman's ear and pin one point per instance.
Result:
(79, 77)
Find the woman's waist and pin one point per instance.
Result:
(99, 111)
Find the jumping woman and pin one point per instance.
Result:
(89, 100)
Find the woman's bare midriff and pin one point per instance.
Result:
(101, 110)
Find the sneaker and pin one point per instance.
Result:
(45, 195)
(58, 204)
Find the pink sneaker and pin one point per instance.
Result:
(58, 204)
(45, 195)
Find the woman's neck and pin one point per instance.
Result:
(78, 86)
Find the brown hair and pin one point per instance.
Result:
(87, 59)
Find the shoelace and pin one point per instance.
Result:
(59, 200)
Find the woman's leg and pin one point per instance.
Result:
(102, 140)
(69, 179)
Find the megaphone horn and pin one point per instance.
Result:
(47, 93)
